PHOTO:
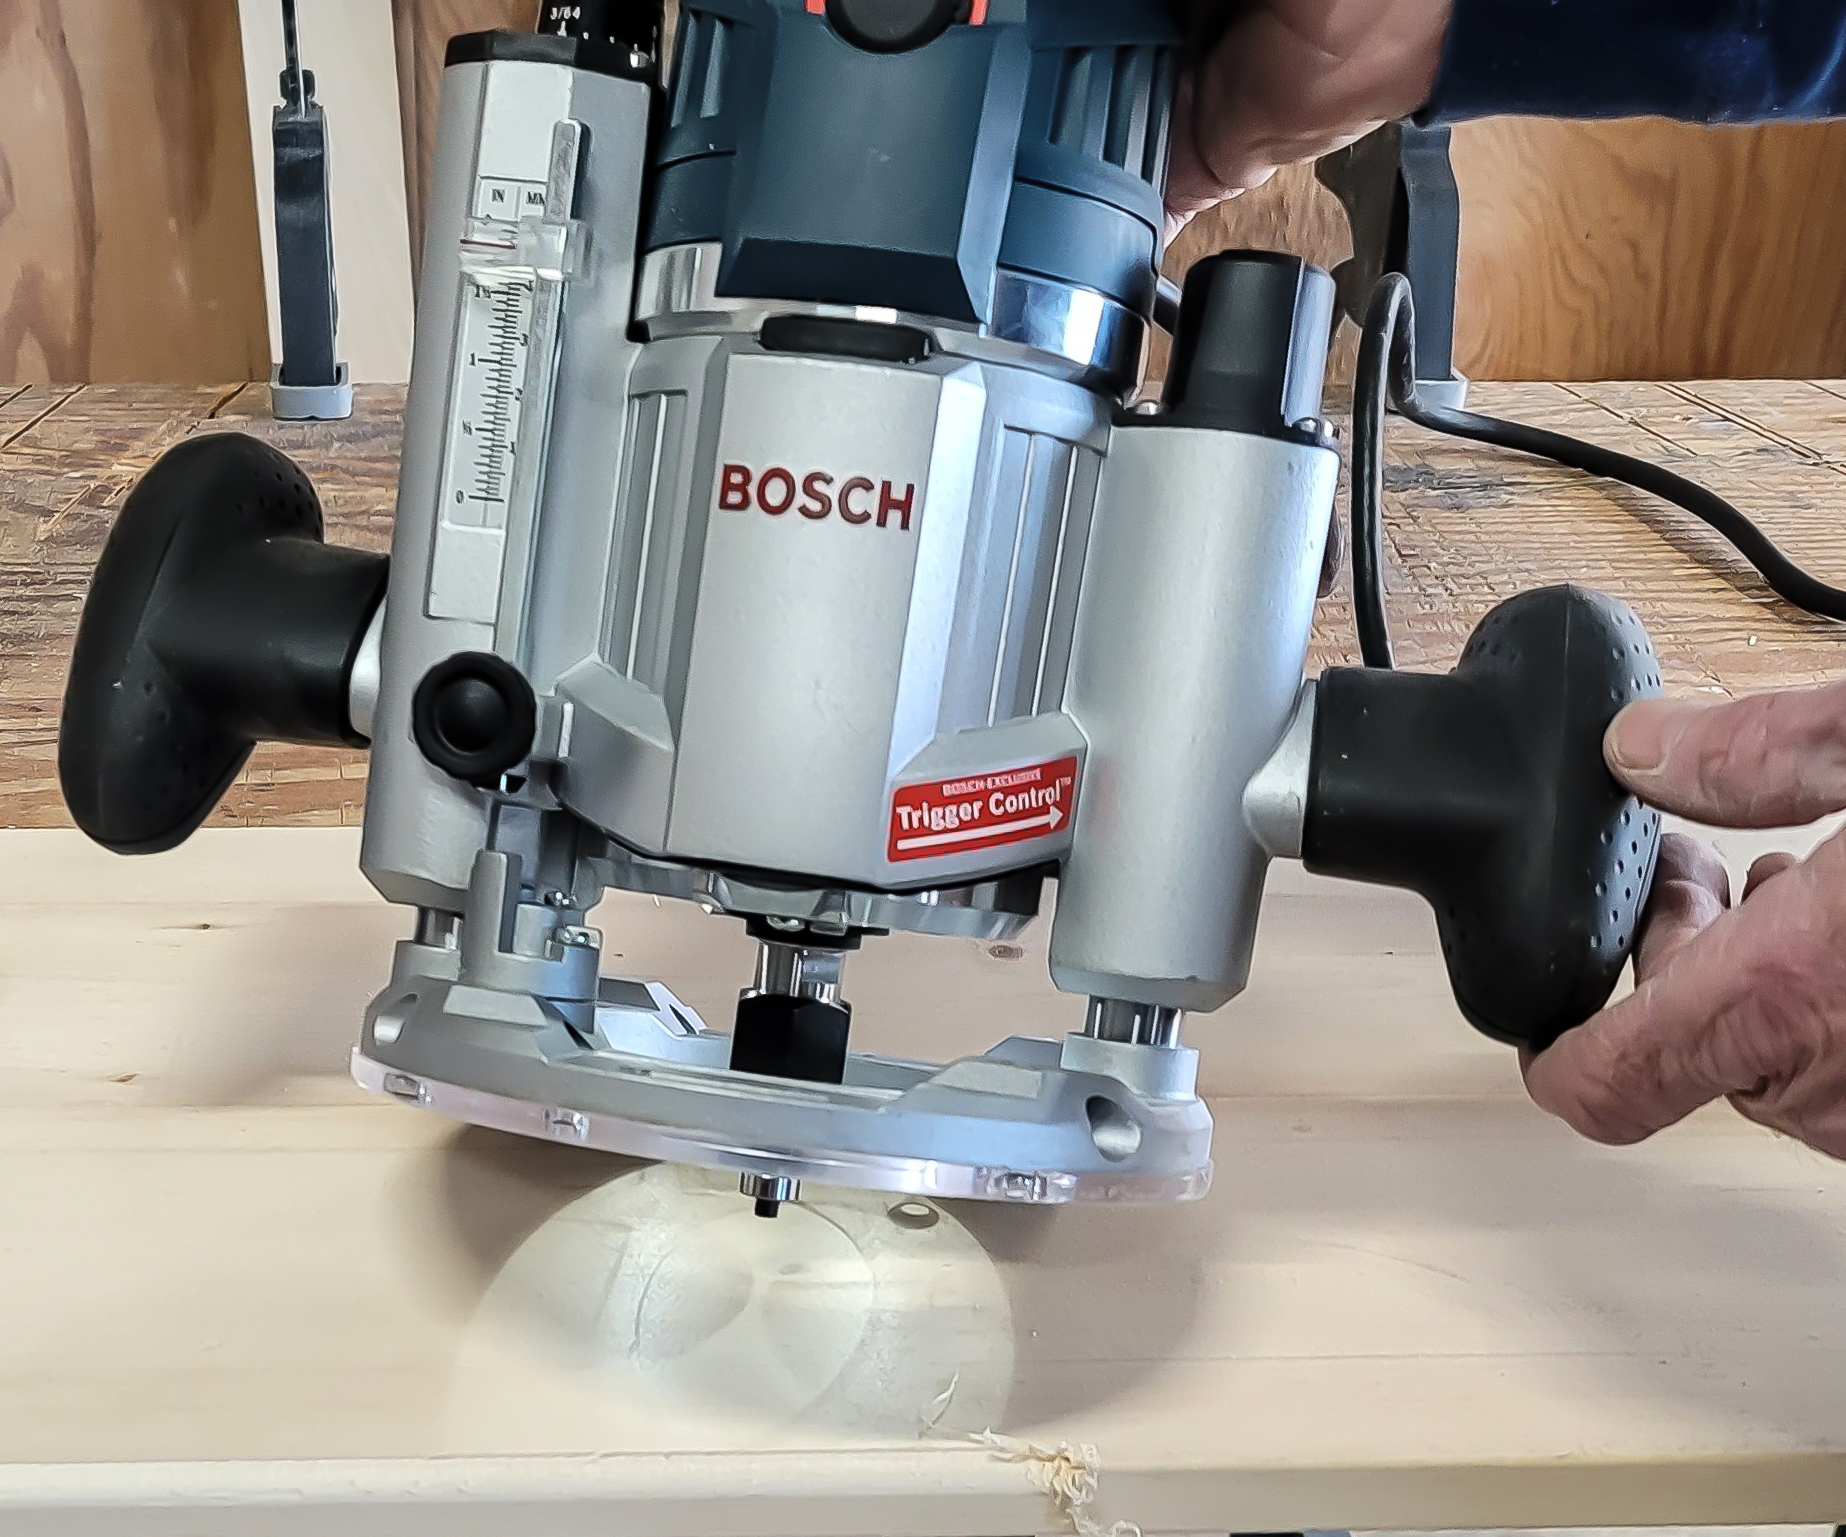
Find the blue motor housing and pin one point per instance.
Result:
(1030, 136)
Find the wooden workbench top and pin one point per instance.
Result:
(1468, 526)
(234, 1290)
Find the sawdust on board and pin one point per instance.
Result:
(1068, 1473)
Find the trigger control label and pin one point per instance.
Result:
(982, 811)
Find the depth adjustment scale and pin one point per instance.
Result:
(773, 535)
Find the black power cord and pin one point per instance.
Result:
(1387, 370)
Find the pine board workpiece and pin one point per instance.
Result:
(242, 1300)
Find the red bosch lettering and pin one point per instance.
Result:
(889, 502)
(818, 504)
(783, 496)
(734, 488)
(818, 495)
(848, 491)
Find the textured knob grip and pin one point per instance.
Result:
(1485, 791)
(217, 619)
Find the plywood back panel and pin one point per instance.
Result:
(1633, 250)
(1652, 250)
(128, 233)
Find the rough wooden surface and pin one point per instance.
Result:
(1467, 526)
(128, 225)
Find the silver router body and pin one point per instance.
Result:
(832, 644)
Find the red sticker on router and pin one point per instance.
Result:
(982, 811)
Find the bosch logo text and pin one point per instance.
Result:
(817, 496)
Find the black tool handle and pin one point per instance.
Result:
(217, 618)
(1485, 790)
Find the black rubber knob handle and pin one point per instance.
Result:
(217, 618)
(474, 716)
(1485, 791)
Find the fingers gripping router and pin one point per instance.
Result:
(772, 535)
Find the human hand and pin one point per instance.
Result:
(1744, 1002)
(1293, 80)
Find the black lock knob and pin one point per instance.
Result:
(474, 716)
(894, 26)
(1485, 791)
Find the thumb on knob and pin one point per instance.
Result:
(1770, 760)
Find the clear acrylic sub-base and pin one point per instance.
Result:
(1013, 1125)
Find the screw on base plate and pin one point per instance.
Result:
(769, 1191)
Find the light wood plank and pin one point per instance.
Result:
(1411, 1299)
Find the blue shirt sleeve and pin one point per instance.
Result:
(1702, 61)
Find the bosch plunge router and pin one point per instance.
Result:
(775, 534)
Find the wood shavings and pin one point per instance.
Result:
(938, 1407)
(1068, 1474)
